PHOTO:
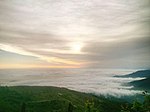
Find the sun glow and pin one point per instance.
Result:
(51, 60)
(76, 47)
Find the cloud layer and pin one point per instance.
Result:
(95, 81)
(113, 34)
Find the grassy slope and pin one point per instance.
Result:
(50, 99)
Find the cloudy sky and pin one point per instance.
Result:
(75, 33)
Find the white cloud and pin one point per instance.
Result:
(95, 81)
(106, 28)
(20, 51)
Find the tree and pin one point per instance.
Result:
(23, 107)
(146, 103)
(70, 107)
(125, 108)
(90, 107)
(138, 106)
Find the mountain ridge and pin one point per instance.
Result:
(140, 73)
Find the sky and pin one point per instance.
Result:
(75, 34)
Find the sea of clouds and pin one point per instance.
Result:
(97, 81)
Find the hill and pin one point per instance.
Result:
(139, 84)
(52, 99)
(142, 84)
(142, 73)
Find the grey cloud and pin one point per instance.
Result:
(52, 24)
(54, 15)
(130, 51)
(29, 39)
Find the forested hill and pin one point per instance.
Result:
(53, 99)
(141, 73)
(143, 84)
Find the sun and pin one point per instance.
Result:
(76, 47)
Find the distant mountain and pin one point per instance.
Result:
(142, 73)
(142, 84)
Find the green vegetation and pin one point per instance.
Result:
(89, 107)
(53, 99)
(138, 106)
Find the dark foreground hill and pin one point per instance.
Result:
(52, 99)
